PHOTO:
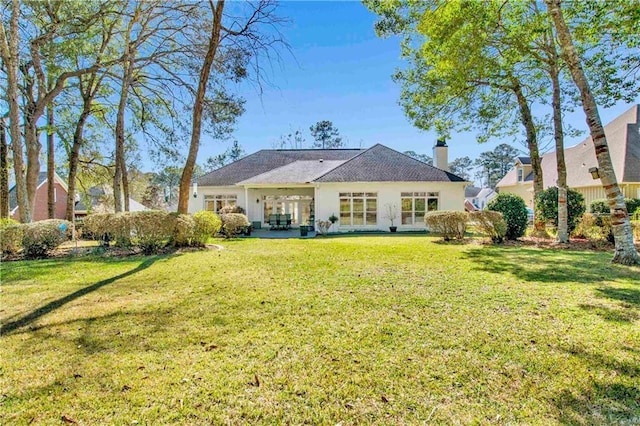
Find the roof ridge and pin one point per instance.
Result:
(349, 160)
(227, 165)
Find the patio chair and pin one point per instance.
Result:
(273, 221)
(287, 221)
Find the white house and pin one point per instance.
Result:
(356, 185)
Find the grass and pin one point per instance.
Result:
(375, 329)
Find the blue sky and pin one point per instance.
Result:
(339, 70)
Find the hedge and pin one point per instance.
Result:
(490, 223)
(514, 211)
(449, 224)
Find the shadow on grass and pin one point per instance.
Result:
(606, 401)
(58, 303)
(550, 266)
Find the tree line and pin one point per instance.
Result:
(99, 77)
(488, 65)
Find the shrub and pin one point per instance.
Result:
(547, 207)
(323, 226)
(42, 237)
(514, 211)
(11, 238)
(449, 224)
(233, 224)
(184, 227)
(602, 206)
(5, 222)
(97, 226)
(588, 228)
(150, 230)
(490, 223)
(207, 224)
(230, 209)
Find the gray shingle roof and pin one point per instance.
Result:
(296, 172)
(267, 160)
(382, 164)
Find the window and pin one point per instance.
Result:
(215, 202)
(520, 174)
(358, 208)
(416, 204)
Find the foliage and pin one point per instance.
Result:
(233, 224)
(98, 226)
(421, 157)
(234, 153)
(514, 211)
(11, 238)
(449, 224)
(494, 165)
(461, 167)
(326, 136)
(207, 224)
(599, 207)
(184, 227)
(593, 228)
(547, 206)
(231, 209)
(490, 223)
(292, 140)
(41, 237)
(150, 230)
(7, 221)
(333, 218)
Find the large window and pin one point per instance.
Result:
(358, 208)
(215, 202)
(416, 204)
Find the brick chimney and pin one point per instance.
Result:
(441, 155)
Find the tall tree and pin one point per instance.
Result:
(4, 171)
(495, 164)
(293, 140)
(422, 157)
(9, 42)
(233, 153)
(625, 251)
(326, 135)
(461, 167)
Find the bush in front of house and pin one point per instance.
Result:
(547, 207)
(150, 230)
(601, 207)
(233, 224)
(449, 224)
(184, 227)
(41, 237)
(490, 223)
(11, 233)
(97, 226)
(514, 211)
(207, 224)
(230, 209)
(592, 228)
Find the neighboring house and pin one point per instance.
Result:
(41, 211)
(356, 185)
(623, 139)
(479, 197)
(100, 199)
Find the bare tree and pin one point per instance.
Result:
(4, 171)
(625, 251)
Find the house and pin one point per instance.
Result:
(41, 210)
(356, 185)
(623, 139)
(478, 198)
(100, 200)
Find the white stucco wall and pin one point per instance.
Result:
(328, 200)
(197, 203)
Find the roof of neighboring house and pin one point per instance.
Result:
(42, 178)
(96, 194)
(471, 191)
(623, 139)
(267, 160)
(524, 160)
(376, 164)
(486, 192)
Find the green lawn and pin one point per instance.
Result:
(369, 329)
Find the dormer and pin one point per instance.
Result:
(523, 169)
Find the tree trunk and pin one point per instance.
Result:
(9, 50)
(51, 165)
(558, 134)
(532, 142)
(34, 147)
(74, 155)
(4, 172)
(625, 251)
(187, 173)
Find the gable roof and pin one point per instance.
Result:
(623, 139)
(42, 178)
(296, 172)
(267, 160)
(382, 164)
